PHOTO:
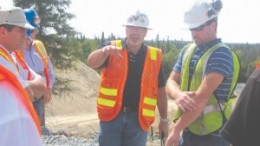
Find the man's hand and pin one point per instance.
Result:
(173, 138)
(163, 127)
(47, 96)
(186, 102)
(112, 50)
(30, 93)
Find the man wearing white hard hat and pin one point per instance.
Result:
(202, 80)
(132, 85)
(19, 124)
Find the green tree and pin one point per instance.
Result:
(55, 34)
(54, 28)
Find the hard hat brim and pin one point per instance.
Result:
(137, 26)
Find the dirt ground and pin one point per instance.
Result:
(74, 110)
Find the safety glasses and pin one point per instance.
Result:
(199, 28)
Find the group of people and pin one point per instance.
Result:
(26, 78)
(133, 85)
(201, 83)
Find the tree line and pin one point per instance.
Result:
(64, 44)
(248, 54)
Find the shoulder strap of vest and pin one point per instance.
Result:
(187, 50)
(40, 48)
(154, 51)
(117, 43)
(8, 57)
(20, 59)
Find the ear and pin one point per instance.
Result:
(145, 32)
(3, 31)
(214, 24)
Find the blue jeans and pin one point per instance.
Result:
(39, 108)
(214, 139)
(124, 130)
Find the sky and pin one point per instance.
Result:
(239, 20)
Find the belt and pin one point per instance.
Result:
(128, 109)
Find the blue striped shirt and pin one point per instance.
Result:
(220, 61)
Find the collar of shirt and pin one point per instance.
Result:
(141, 50)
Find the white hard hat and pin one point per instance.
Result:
(14, 16)
(138, 20)
(201, 12)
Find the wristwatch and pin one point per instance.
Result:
(165, 120)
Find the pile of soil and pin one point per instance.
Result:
(74, 107)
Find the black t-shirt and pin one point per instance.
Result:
(243, 127)
(132, 89)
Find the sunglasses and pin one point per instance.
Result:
(199, 28)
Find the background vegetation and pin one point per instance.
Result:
(65, 45)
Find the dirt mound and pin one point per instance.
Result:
(75, 105)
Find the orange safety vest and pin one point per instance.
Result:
(19, 57)
(5, 74)
(113, 79)
(40, 48)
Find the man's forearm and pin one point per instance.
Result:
(190, 116)
(162, 103)
(97, 58)
(172, 85)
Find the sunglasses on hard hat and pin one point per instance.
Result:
(199, 28)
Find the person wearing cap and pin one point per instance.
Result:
(243, 128)
(19, 124)
(13, 27)
(202, 80)
(132, 85)
(36, 57)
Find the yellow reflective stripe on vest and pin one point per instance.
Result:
(106, 102)
(2, 53)
(9, 59)
(108, 92)
(153, 53)
(150, 101)
(148, 113)
(118, 43)
(40, 47)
